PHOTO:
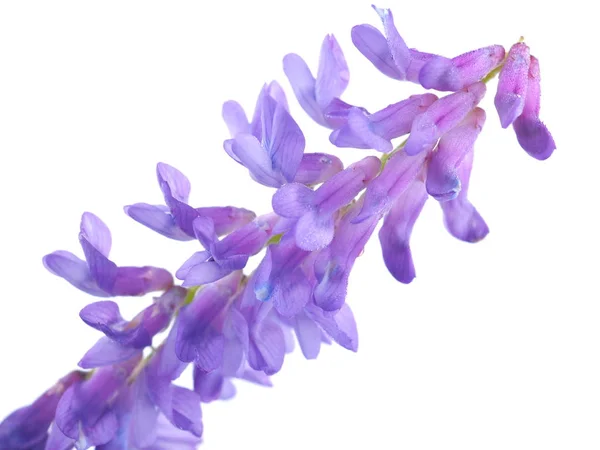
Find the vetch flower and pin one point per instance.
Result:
(443, 115)
(532, 134)
(443, 182)
(27, 427)
(512, 84)
(221, 257)
(98, 275)
(364, 130)
(316, 95)
(461, 218)
(445, 74)
(175, 220)
(314, 211)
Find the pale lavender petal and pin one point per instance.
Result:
(177, 182)
(333, 75)
(341, 326)
(315, 168)
(187, 414)
(235, 118)
(102, 430)
(192, 261)
(267, 348)
(314, 231)
(208, 385)
(293, 200)
(106, 352)
(309, 336)
(204, 229)
(157, 218)
(303, 84)
(144, 415)
(286, 145)
(68, 266)
(96, 233)
(373, 45)
(396, 44)
(102, 270)
(57, 440)
(254, 157)
(292, 292)
(101, 315)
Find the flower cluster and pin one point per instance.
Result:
(230, 325)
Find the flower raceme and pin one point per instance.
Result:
(233, 326)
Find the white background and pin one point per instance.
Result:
(493, 346)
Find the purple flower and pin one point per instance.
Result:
(266, 337)
(389, 53)
(394, 235)
(280, 278)
(222, 257)
(313, 168)
(334, 263)
(272, 146)
(216, 385)
(313, 212)
(175, 220)
(200, 331)
(397, 175)
(460, 217)
(317, 95)
(443, 182)
(445, 74)
(532, 134)
(125, 338)
(364, 130)
(98, 275)
(512, 84)
(27, 427)
(86, 413)
(443, 115)
(169, 437)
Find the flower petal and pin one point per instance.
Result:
(396, 44)
(235, 118)
(315, 168)
(157, 218)
(333, 75)
(303, 84)
(96, 233)
(256, 159)
(178, 183)
(68, 266)
(373, 45)
(512, 84)
(293, 200)
(106, 352)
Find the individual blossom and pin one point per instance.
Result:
(334, 263)
(280, 277)
(319, 96)
(445, 74)
(221, 257)
(531, 132)
(124, 339)
(176, 218)
(313, 168)
(313, 212)
(512, 84)
(86, 415)
(395, 233)
(461, 218)
(98, 275)
(443, 182)
(27, 427)
(364, 130)
(443, 115)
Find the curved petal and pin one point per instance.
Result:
(256, 159)
(157, 218)
(303, 84)
(316, 168)
(333, 75)
(68, 266)
(96, 233)
(235, 118)
(373, 45)
(177, 182)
